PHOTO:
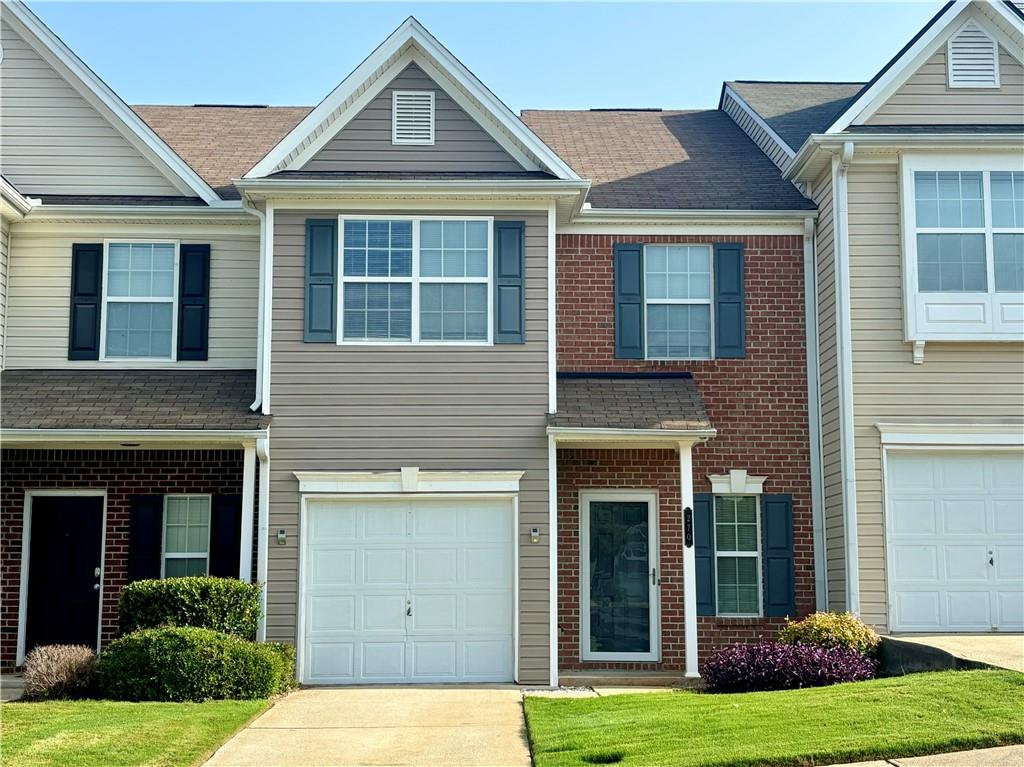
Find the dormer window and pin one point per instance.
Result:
(972, 58)
(412, 117)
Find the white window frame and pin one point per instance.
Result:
(997, 316)
(164, 556)
(756, 555)
(709, 301)
(415, 280)
(395, 95)
(138, 300)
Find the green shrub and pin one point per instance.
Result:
(60, 671)
(187, 664)
(832, 630)
(221, 604)
(286, 665)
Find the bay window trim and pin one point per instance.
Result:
(756, 555)
(107, 299)
(991, 302)
(415, 280)
(164, 554)
(709, 301)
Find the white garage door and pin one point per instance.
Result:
(956, 538)
(408, 591)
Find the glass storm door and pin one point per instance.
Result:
(619, 576)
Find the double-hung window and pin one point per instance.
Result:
(416, 280)
(140, 290)
(964, 248)
(737, 555)
(186, 535)
(677, 301)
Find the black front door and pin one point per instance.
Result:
(63, 584)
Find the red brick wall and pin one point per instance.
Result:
(123, 473)
(758, 404)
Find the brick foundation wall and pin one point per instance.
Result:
(758, 404)
(123, 473)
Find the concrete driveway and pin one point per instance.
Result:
(1005, 650)
(462, 726)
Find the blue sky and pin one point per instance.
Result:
(541, 55)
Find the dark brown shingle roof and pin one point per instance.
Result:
(129, 399)
(221, 142)
(796, 110)
(612, 401)
(686, 160)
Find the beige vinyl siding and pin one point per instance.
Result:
(925, 99)
(351, 408)
(460, 144)
(5, 233)
(958, 382)
(39, 294)
(53, 141)
(828, 367)
(778, 153)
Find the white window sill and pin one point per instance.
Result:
(412, 345)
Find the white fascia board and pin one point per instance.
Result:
(968, 434)
(311, 133)
(759, 121)
(568, 434)
(133, 128)
(115, 437)
(409, 480)
(15, 204)
(921, 50)
(602, 220)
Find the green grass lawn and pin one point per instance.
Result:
(108, 734)
(901, 716)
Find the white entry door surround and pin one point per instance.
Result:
(408, 587)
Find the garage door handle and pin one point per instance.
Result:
(408, 611)
(992, 561)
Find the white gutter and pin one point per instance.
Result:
(263, 542)
(412, 186)
(728, 215)
(814, 417)
(44, 212)
(262, 288)
(844, 340)
(673, 436)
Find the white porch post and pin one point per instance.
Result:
(689, 562)
(248, 496)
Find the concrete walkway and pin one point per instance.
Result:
(459, 726)
(1004, 650)
(1008, 756)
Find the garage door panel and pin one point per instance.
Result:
(331, 661)
(383, 661)
(435, 566)
(486, 612)
(434, 612)
(478, 525)
(383, 612)
(943, 579)
(435, 661)
(434, 521)
(384, 522)
(487, 660)
(486, 566)
(333, 567)
(338, 526)
(332, 613)
(384, 567)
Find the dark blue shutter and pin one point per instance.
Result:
(779, 570)
(704, 549)
(145, 536)
(509, 282)
(729, 322)
(86, 296)
(194, 302)
(225, 535)
(321, 280)
(629, 301)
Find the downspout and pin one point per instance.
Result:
(247, 205)
(814, 416)
(844, 339)
(263, 543)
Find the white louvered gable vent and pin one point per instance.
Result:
(972, 56)
(412, 117)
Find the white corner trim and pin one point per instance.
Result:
(552, 309)
(736, 482)
(967, 434)
(409, 479)
(553, 561)
(263, 533)
(122, 118)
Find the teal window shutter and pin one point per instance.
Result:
(704, 551)
(629, 300)
(509, 282)
(730, 331)
(226, 536)
(194, 302)
(145, 536)
(321, 294)
(777, 556)
(86, 297)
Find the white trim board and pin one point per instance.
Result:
(26, 550)
(99, 95)
(410, 42)
(963, 434)
(410, 479)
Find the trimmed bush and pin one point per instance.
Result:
(60, 671)
(778, 666)
(286, 669)
(832, 630)
(187, 664)
(220, 604)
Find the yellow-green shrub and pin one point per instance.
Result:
(832, 630)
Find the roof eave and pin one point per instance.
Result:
(262, 188)
(611, 437)
(610, 215)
